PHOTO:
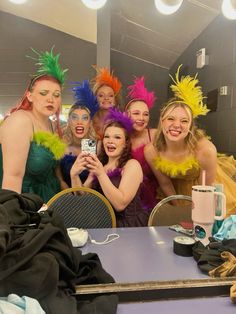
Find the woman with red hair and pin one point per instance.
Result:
(29, 145)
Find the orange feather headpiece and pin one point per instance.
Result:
(105, 77)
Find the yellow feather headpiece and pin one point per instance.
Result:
(186, 91)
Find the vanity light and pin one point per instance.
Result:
(94, 4)
(229, 9)
(168, 6)
(18, 1)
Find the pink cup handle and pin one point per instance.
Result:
(223, 207)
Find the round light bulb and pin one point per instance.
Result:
(94, 4)
(168, 6)
(18, 1)
(229, 9)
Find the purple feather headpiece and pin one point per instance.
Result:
(138, 91)
(84, 96)
(121, 117)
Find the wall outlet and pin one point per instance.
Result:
(224, 90)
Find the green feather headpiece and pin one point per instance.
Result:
(186, 90)
(48, 64)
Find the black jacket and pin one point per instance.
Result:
(37, 259)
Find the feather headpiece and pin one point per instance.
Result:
(121, 117)
(83, 95)
(139, 91)
(105, 77)
(48, 64)
(186, 91)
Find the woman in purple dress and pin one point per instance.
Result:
(115, 174)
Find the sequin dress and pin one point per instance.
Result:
(44, 153)
(133, 215)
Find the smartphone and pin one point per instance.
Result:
(88, 146)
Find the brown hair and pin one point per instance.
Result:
(126, 154)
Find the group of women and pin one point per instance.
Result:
(134, 167)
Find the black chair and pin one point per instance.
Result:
(83, 207)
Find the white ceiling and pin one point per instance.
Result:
(137, 28)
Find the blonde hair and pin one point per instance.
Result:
(194, 135)
(67, 133)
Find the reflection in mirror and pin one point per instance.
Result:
(141, 44)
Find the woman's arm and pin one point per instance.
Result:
(15, 135)
(165, 182)
(152, 134)
(78, 167)
(131, 179)
(207, 157)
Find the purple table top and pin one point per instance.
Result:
(216, 305)
(142, 254)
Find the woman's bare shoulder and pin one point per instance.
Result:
(150, 148)
(205, 150)
(19, 117)
(18, 122)
(132, 163)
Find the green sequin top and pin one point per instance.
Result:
(45, 151)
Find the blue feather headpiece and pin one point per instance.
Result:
(84, 96)
(121, 117)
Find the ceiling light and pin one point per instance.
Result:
(18, 1)
(94, 4)
(229, 9)
(168, 6)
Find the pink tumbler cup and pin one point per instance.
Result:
(204, 204)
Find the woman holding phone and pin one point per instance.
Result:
(78, 133)
(115, 174)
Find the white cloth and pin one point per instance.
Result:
(13, 304)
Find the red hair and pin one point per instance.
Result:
(25, 104)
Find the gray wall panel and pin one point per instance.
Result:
(220, 41)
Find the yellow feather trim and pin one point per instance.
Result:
(50, 141)
(172, 168)
(186, 90)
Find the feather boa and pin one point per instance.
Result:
(51, 141)
(172, 168)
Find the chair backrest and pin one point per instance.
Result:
(83, 207)
(166, 214)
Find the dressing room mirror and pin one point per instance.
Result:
(142, 42)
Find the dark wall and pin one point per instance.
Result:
(219, 39)
(156, 79)
(17, 35)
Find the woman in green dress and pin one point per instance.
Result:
(30, 147)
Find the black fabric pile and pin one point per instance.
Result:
(209, 257)
(38, 260)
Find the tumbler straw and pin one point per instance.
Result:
(203, 177)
